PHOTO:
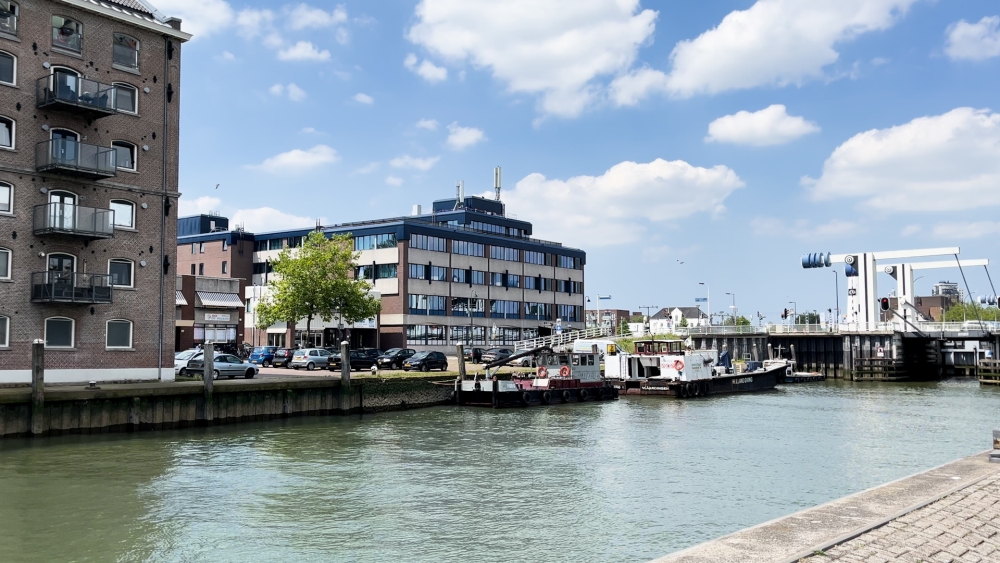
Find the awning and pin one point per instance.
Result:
(180, 298)
(213, 299)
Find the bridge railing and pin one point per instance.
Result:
(561, 339)
(746, 330)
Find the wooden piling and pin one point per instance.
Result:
(345, 377)
(38, 387)
(208, 375)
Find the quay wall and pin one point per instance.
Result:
(156, 406)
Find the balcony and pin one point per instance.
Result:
(79, 96)
(72, 157)
(70, 287)
(73, 220)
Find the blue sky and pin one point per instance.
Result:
(732, 136)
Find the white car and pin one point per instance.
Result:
(181, 360)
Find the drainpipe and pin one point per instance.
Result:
(166, 198)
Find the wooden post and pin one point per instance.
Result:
(461, 361)
(207, 376)
(794, 363)
(345, 377)
(37, 387)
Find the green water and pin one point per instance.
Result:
(624, 481)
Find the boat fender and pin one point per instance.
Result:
(583, 394)
(682, 391)
(478, 387)
(679, 365)
(565, 396)
(603, 394)
(526, 397)
(543, 372)
(692, 390)
(564, 371)
(706, 390)
(546, 397)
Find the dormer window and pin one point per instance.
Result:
(67, 33)
(126, 51)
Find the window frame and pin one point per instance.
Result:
(72, 333)
(225, 266)
(13, 133)
(79, 31)
(201, 248)
(114, 43)
(10, 199)
(17, 15)
(107, 334)
(131, 280)
(14, 75)
(10, 266)
(5, 324)
(131, 204)
(135, 155)
(135, 98)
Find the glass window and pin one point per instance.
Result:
(7, 74)
(58, 332)
(386, 271)
(192, 270)
(467, 248)
(225, 245)
(418, 272)
(126, 98)
(225, 267)
(119, 334)
(6, 198)
(4, 332)
(201, 248)
(496, 279)
(6, 133)
(532, 257)
(276, 244)
(513, 281)
(425, 242)
(371, 242)
(8, 17)
(67, 33)
(201, 269)
(193, 248)
(124, 155)
(503, 253)
(439, 273)
(478, 277)
(120, 272)
(4, 264)
(294, 242)
(126, 50)
(124, 213)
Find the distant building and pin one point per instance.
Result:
(611, 318)
(208, 310)
(950, 290)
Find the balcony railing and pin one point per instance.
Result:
(76, 158)
(74, 94)
(70, 287)
(74, 220)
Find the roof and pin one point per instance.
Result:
(133, 5)
(135, 12)
(213, 299)
(180, 298)
(686, 312)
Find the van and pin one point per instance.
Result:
(604, 346)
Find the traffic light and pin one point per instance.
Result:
(784, 313)
(884, 303)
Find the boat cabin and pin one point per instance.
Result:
(568, 365)
(659, 347)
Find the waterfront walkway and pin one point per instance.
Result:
(947, 514)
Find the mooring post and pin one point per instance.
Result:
(345, 377)
(37, 386)
(208, 375)
(792, 348)
(461, 361)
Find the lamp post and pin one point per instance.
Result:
(734, 306)
(836, 288)
(708, 301)
(795, 312)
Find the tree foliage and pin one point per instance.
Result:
(623, 328)
(740, 321)
(807, 319)
(316, 281)
(967, 312)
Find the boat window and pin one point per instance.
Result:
(576, 360)
(640, 347)
(563, 360)
(663, 347)
(590, 359)
(675, 346)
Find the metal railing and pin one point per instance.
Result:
(61, 89)
(70, 287)
(787, 329)
(561, 339)
(70, 219)
(75, 157)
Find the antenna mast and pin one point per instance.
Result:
(496, 181)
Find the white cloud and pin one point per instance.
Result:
(553, 48)
(342, 36)
(803, 229)
(879, 61)
(368, 168)
(615, 207)
(939, 163)
(394, 181)
(910, 230)
(304, 16)
(772, 43)
(198, 206)
(200, 18)
(407, 161)
(426, 70)
(769, 126)
(251, 22)
(277, 89)
(264, 219)
(364, 99)
(226, 56)
(299, 160)
(428, 124)
(295, 93)
(311, 131)
(974, 41)
(303, 51)
(966, 230)
(460, 138)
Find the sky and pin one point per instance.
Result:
(674, 142)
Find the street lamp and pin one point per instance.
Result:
(708, 301)
(734, 306)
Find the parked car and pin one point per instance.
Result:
(310, 358)
(526, 362)
(226, 365)
(474, 355)
(393, 358)
(282, 357)
(181, 360)
(494, 354)
(372, 353)
(426, 361)
(263, 355)
(359, 361)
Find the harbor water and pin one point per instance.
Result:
(628, 480)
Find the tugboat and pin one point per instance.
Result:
(560, 377)
(666, 367)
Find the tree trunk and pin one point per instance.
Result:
(309, 330)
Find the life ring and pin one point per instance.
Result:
(565, 396)
(583, 394)
(679, 365)
(546, 397)
(564, 371)
(543, 372)
(526, 397)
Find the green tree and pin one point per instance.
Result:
(317, 282)
(959, 312)
(740, 321)
(684, 322)
(807, 319)
(623, 328)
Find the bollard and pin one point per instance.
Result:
(208, 376)
(37, 387)
(345, 377)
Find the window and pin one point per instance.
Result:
(513, 281)
(201, 248)
(467, 248)
(262, 268)
(124, 213)
(121, 272)
(6, 198)
(418, 272)
(459, 276)
(4, 264)
(59, 332)
(225, 245)
(192, 269)
(530, 283)
(8, 65)
(296, 242)
(439, 274)
(500, 309)
(462, 335)
(276, 244)
(124, 155)
(538, 311)
(425, 335)
(496, 279)
(225, 267)
(381, 271)
(126, 50)
(194, 248)
(478, 277)
(465, 307)
(488, 227)
(568, 262)
(4, 332)
(8, 17)
(505, 335)
(425, 242)
(126, 98)
(7, 130)
(67, 33)
(371, 242)
(568, 312)
(427, 304)
(503, 253)
(119, 334)
(259, 245)
(532, 257)
(567, 286)
(201, 269)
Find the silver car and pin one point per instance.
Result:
(310, 358)
(225, 365)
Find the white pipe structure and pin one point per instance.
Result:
(904, 282)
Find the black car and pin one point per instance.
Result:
(426, 361)
(282, 356)
(372, 353)
(474, 355)
(393, 358)
(359, 361)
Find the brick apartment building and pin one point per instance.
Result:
(89, 116)
(466, 272)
